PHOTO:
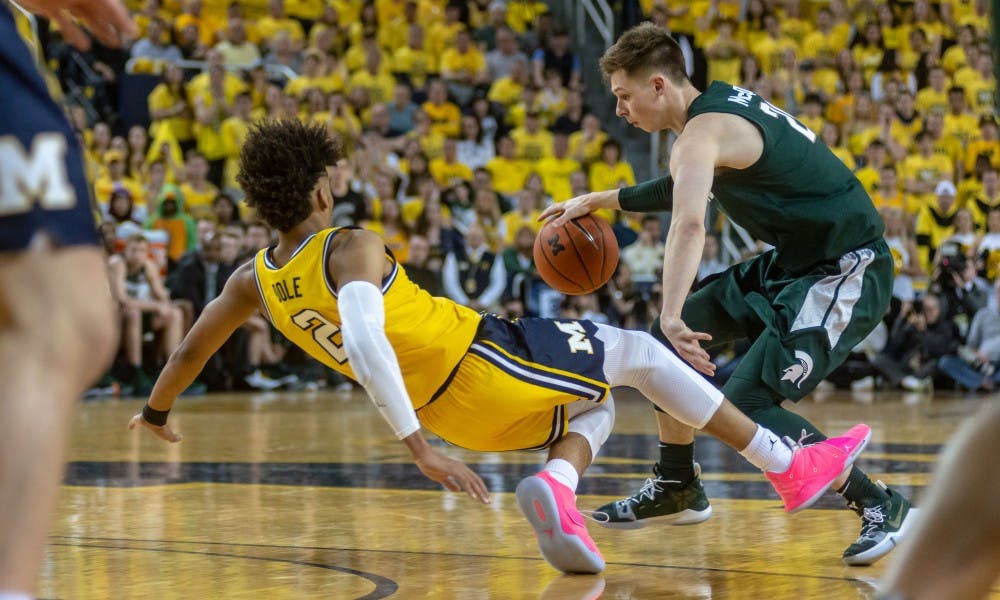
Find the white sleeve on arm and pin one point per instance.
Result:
(372, 358)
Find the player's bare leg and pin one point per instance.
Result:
(58, 333)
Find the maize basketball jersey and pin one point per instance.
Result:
(477, 381)
(430, 335)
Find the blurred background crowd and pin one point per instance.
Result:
(465, 118)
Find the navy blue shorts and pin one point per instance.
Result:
(42, 183)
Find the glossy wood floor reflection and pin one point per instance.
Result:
(307, 495)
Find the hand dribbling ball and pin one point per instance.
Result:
(578, 257)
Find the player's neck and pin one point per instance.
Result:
(290, 241)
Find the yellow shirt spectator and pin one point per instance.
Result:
(166, 99)
(604, 176)
(269, 26)
(521, 14)
(931, 101)
(447, 173)
(555, 174)
(198, 202)
(926, 170)
(416, 64)
(445, 117)
(505, 91)
(454, 63)
(508, 174)
(379, 86)
(201, 83)
(532, 145)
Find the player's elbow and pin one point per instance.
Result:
(688, 229)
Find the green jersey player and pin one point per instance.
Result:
(821, 289)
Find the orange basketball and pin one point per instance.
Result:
(578, 257)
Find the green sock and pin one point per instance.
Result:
(860, 491)
(677, 462)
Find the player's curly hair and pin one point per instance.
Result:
(280, 163)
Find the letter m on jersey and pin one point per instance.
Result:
(578, 340)
(38, 176)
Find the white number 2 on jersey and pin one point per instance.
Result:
(773, 111)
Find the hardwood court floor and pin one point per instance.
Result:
(307, 495)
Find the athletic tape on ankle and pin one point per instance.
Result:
(155, 417)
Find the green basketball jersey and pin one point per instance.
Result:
(798, 196)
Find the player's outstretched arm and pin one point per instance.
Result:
(221, 317)
(107, 19)
(357, 263)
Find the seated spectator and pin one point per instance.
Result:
(904, 254)
(586, 145)
(116, 177)
(444, 115)
(556, 55)
(474, 148)
(500, 61)
(436, 229)
(645, 257)
(463, 67)
(375, 80)
(525, 214)
(488, 34)
(988, 251)
(976, 365)
(610, 169)
(472, 274)
(199, 192)
(154, 45)
(887, 192)
(711, 257)
(139, 291)
(392, 228)
(917, 340)
(506, 90)
(447, 170)
(169, 216)
(986, 198)
(282, 53)
(519, 264)
(275, 23)
(507, 170)
(236, 49)
(412, 64)
(961, 291)
(935, 223)
(419, 268)
(533, 141)
(555, 170)
(225, 211)
(571, 119)
(122, 214)
(401, 109)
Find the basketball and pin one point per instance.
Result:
(578, 257)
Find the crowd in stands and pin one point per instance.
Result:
(465, 118)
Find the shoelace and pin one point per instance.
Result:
(799, 444)
(648, 490)
(871, 518)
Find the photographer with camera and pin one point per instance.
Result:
(974, 365)
(918, 338)
(955, 281)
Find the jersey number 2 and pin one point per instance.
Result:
(773, 111)
(326, 334)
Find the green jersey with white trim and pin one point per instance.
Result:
(798, 196)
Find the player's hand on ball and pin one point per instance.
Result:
(453, 475)
(687, 344)
(566, 211)
(164, 432)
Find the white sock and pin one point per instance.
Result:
(563, 472)
(4, 595)
(767, 452)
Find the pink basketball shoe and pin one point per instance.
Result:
(816, 466)
(562, 534)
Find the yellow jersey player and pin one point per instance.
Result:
(477, 381)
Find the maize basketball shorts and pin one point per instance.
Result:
(42, 184)
(510, 390)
